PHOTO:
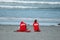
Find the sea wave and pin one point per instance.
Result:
(29, 4)
(16, 21)
(41, 19)
(39, 2)
(38, 7)
(17, 7)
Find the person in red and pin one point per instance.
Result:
(36, 26)
(23, 27)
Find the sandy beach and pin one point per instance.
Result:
(47, 33)
(46, 12)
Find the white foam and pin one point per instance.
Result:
(41, 19)
(16, 7)
(16, 21)
(40, 2)
(6, 0)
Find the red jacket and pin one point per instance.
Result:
(36, 26)
(22, 26)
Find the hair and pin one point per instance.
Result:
(35, 20)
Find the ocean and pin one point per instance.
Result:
(46, 12)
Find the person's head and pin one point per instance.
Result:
(35, 20)
(22, 21)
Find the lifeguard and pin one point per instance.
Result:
(36, 26)
(23, 27)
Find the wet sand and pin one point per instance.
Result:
(47, 33)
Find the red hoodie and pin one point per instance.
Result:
(36, 26)
(22, 26)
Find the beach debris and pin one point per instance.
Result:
(59, 24)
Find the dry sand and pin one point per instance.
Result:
(47, 33)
